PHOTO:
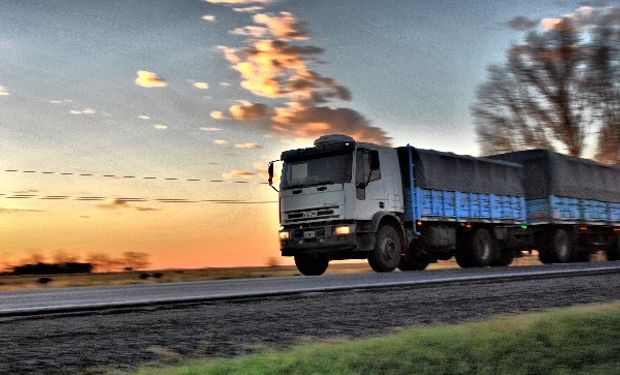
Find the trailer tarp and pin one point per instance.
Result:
(549, 173)
(447, 171)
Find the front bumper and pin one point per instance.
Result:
(322, 240)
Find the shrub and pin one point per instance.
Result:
(44, 280)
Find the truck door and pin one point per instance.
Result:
(369, 190)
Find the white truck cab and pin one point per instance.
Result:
(333, 199)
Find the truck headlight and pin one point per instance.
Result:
(343, 230)
(284, 235)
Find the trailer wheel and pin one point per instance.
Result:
(504, 258)
(560, 248)
(385, 257)
(409, 262)
(310, 265)
(546, 256)
(613, 250)
(477, 252)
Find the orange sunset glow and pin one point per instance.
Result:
(148, 126)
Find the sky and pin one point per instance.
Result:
(197, 96)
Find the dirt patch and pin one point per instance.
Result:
(68, 344)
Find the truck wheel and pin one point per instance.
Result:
(562, 246)
(504, 258)
(546, 256)
(310, 265)
(385, 257)
(410, 262)
(478, 252)
(613, 250)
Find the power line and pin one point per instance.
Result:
(130, 199)
(129, 177)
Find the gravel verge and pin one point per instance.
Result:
(90, 343)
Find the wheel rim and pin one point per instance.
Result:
(389, 248)
(561, 247)
(484, 249)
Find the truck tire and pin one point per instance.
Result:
(613, 250)
(504, 258)
(386, 255)
(559, 248)
(410, 262)
(310, 265)
(479, 251)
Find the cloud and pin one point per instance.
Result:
(238, 2)
(18, 210)
(255, 31)
(60, 101)
(521, 23)
(248, 9)
(160, 126)
(4, 91)
(85, 111)
(276, 66)
(201, 85)
(216, 115)
(233, 174)
(273, 69)
(220, 142)
(310, 122)
(249, 111)
(251, 146)
(27, 191)
(144, 117)
(119, 203)
(149, 79)
(208, 18)
(204, 129)
(283, 27)
(550, 23)
(583, 18)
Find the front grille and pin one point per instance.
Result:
(311, 214)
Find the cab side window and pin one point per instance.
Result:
(375, 172)
(368, 166)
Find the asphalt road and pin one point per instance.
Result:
(92, 342)
(92, 298)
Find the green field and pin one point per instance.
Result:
(577, 340)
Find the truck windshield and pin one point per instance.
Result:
(333, 169)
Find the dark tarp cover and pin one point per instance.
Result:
(447, 171)
(549, 173)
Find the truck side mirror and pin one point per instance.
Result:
(270, 173)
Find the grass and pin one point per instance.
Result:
(578, 340)
(12, 283)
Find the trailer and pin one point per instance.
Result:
(407, 207)
(572, 205)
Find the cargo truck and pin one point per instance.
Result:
(406, 207)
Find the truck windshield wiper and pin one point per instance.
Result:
(326, 182)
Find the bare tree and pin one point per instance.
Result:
(102, 262)
(61, 256)
(604, 81)
(136, 260)
(552, 92)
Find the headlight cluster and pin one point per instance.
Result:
(343, 230)
(284, 235)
